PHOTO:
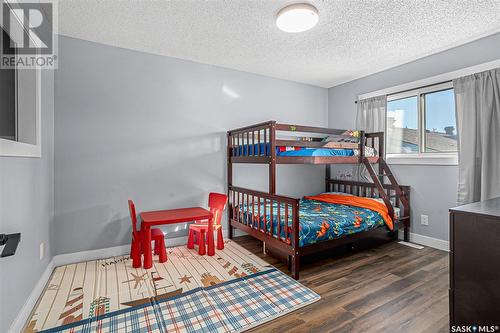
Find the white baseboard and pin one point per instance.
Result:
(28, 306)
(71, 258)
(427, 241)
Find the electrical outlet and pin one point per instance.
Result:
(424, 219)
(42, 250)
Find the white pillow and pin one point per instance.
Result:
(396, 209)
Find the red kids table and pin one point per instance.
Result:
(172, 216)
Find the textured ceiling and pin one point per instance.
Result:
(352, 39)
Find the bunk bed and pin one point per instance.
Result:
(274, 219)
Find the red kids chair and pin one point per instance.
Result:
(136, 247)
(217, 203)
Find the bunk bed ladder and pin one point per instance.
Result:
(379, 185)
(387, 172)
(378, 180)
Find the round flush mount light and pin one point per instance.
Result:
(297, 17)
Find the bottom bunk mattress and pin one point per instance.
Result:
(318, 221)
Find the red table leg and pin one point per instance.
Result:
(146, 246)
(162, 252)
(210, 238)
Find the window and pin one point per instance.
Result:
(421, 123)
(20, 111)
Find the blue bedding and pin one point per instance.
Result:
(264, 150)
(318, 221)
(317, 152)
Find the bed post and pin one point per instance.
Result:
(229, 183)
(272, 164)
(328, 175)
(295, 241)
(406, 232)
(362, 139)
(272, 157)
(381, 155)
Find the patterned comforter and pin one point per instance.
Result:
(318, 221)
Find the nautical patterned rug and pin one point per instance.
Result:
(229, 292)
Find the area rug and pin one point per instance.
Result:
(230, 292)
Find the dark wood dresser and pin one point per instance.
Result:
(475, 264)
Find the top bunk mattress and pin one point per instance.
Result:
(318, 152)
(264, 150)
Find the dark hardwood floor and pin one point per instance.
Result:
(375, 287)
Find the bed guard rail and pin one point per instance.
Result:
(369, 190)
(257, 143)
(269, 217)
(254, 143)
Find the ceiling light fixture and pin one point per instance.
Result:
(297, 17)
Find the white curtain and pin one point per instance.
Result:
(477, 99)
(371, 114)
(371, 117)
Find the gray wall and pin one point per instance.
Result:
(433, 187)
(152, 128)
(27, 206)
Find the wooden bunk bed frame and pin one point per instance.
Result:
(257, 144)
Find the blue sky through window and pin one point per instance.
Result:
(440, 111)
(404, 112)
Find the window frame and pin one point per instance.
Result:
(422, 157)
(22, 149)
(10, 148)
